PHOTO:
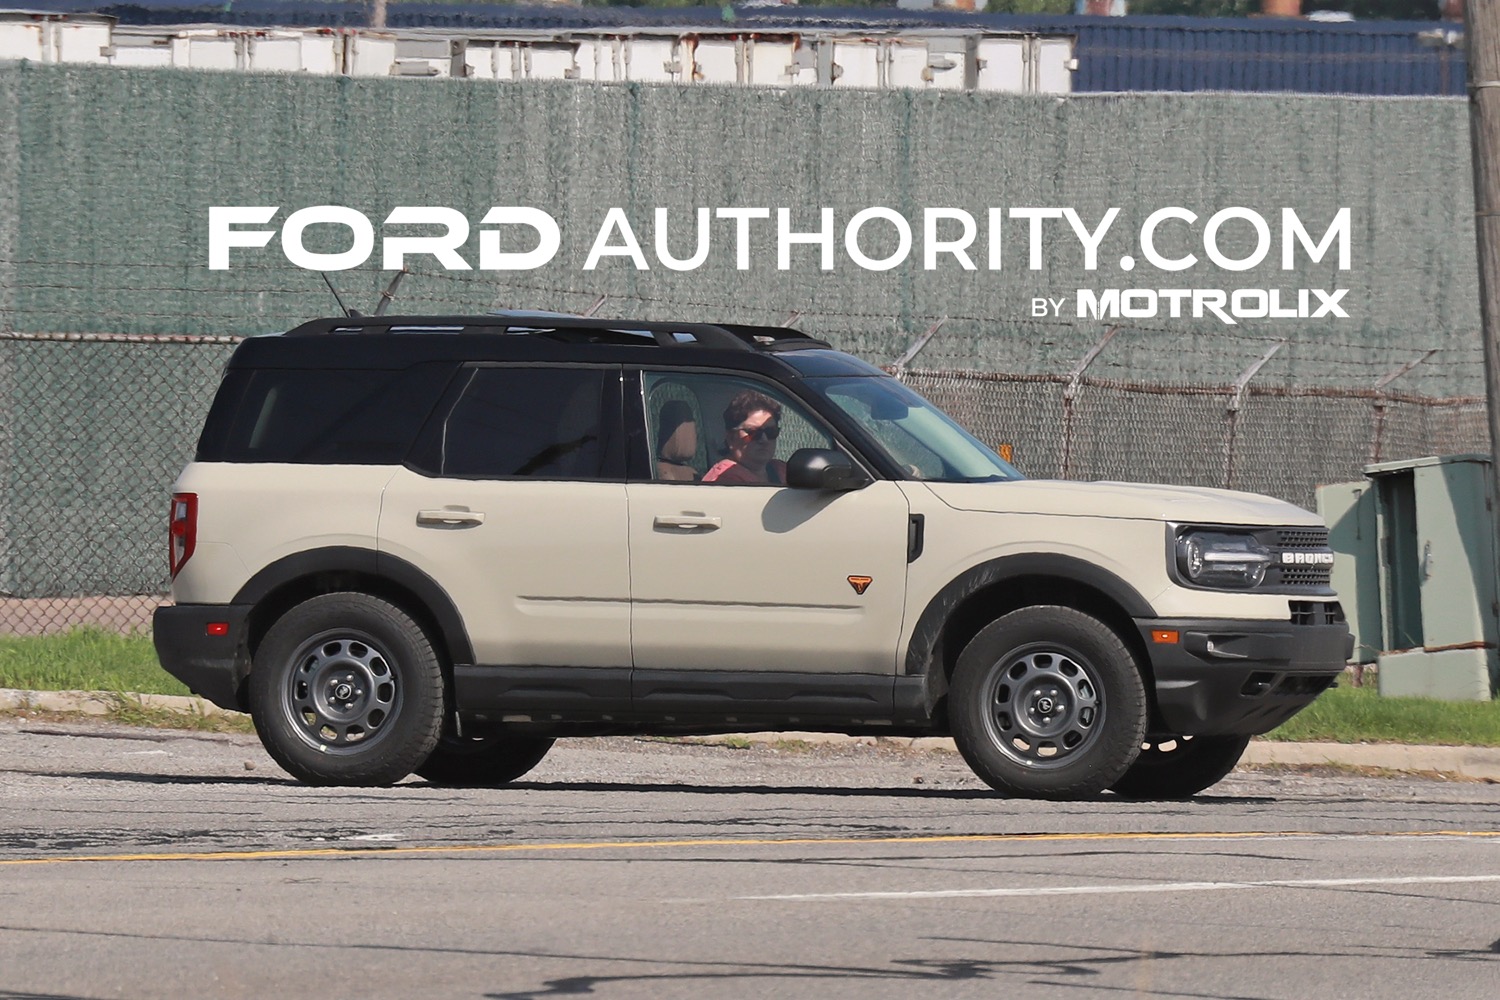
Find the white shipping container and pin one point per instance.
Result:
(54, 38)
(212, 51)
(550, 61)
(652, 60)
(775, 63)
(956, 60)
(22, 41)
(274, 53)
(858, 63)
(1055, 65)
(321, 54)
(481, 61)
(369, 54)
(1003, 65)
(717, 60)
(80, 42)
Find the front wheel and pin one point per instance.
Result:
(346, 689)
(484, 761)
(1179, 767)
(1047, 702)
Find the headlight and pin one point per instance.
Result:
(1222, 559)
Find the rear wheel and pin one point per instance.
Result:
(346, 690)
(1047, 702)
(1179, 767)
(485, 761)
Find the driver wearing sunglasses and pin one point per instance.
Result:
(752, 422)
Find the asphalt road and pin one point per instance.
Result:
(138, 863)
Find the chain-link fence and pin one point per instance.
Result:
(1280, 441)
(94, 428)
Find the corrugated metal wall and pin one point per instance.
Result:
(1396, 58)
(1182, 54)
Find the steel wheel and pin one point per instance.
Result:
(1044, 706)
(346, 689)
(341, 691)
(1048, 702)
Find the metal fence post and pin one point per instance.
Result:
(1232, 411)
(898, 368)
(1070, 390)
(1378, 409)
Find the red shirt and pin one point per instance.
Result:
(730, 471)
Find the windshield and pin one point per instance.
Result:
(922, 439)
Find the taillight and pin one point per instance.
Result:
(182, 530)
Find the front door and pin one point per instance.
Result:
(741, 573)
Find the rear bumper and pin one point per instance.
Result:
(1240, 677)
(212, 666)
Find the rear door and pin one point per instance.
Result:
(515, 504)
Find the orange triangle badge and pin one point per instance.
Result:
(861, 583)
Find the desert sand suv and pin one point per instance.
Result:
(435, 544)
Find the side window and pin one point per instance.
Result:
(724, 429)
(541, 423)
(318, 416)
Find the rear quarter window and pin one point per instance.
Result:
(320, 416)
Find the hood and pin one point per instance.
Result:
(1136, 501)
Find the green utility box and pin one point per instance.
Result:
(1354, 535)
(1438, 580)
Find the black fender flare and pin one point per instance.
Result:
(935, 616)
(352, 559)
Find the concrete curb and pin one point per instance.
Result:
(104, 702)
(1481, 763)
(1469, 762)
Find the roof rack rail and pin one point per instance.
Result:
(721, 336)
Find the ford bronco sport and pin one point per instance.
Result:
(436, 544)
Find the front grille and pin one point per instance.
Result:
(1307, 577)
(1316, 612)
(1300, 576)
(1302, 538)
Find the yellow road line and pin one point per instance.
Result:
(618, 845)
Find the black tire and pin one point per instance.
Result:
(483, 762)
(346, 690)
(1180, 767)
(1047, 702)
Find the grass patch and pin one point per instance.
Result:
(1361, 715)
(85, 659)
(132, 713)
(792, 746)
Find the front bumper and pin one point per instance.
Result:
(212, 666)
(1239, 677)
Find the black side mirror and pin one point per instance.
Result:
(824, 469)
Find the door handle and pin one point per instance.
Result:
(686, 522)
(451, 517)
